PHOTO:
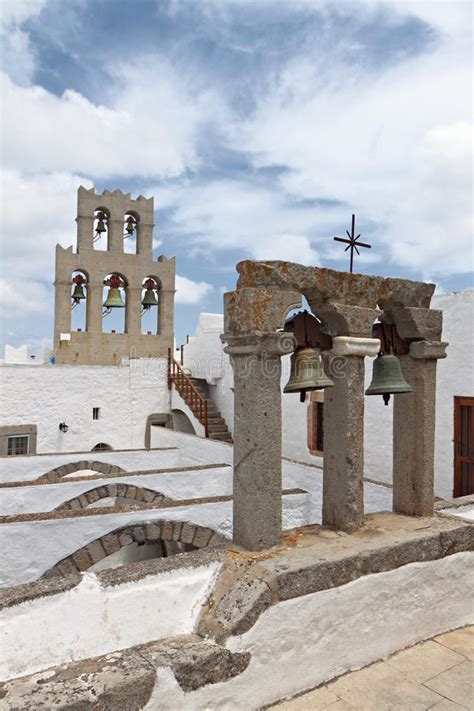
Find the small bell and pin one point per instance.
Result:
(100, 224)
(387, 378)
(78, 293)
(130, 226)
(307, 372)
(114, 299)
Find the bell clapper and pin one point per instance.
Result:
(386, 398)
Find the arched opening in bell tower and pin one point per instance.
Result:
(130, 228)
(79, 287)
(150, 306)
(101, 226)
(114, 303)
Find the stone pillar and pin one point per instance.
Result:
(85, 229)
(257, 505)
(414, 431)
(94, 306)
(115, 235)
(166, 313)
(343, 485)
(145, 238)
(62, 308)
(133, 307)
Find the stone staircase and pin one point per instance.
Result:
(216, 425)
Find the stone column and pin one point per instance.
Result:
(85, 230)
(115, 235)
(343, 485)
(257, 504)
(414, 431)
(133, 308)
(166, 313)
(62, 308)
(94, 306)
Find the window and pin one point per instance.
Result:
(95, 413)
(17, 446)
(316, 423)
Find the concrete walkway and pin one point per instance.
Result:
(436, 675)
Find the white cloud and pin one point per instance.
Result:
(18, 58)
(149, 127)
(28, 297)
(393, 143)
(190, 292)
(262, 221)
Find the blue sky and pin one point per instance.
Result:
(258, 126)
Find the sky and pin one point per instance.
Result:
(259, 126)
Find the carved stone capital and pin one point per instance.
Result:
(428, 350)
(258, 343)
(414, 323)
(348, 346)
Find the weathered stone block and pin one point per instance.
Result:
(125, 539)
(82, 560)
(131, 491)
(110, 543)
(66, 567)
(103, 492)
(202, 537)
(152, 532)
(112, 490)
(139, 534)
(148, 496)
(188, 532)
(121, 490)
(75, 504)
(167, 531)
(428, 350)
(140, 494)
(177, 526)
(96, 551)
(84, 501)
(92, 496)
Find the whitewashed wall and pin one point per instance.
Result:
(30, 548)
(49, 394)
(38, 633)
(455, 377)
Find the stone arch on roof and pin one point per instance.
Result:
(65, 469)
(140, 494)
(189, 534)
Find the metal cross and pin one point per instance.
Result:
(352, 242)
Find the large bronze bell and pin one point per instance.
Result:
(149, 299)
(387, 378)
(100, 223)
(307, 372)
(78, 293)
(114, 299)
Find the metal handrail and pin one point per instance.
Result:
(188, 391)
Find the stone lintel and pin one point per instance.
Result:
(259, 343)
(428, 350)
(319, 283)
(259, 309)
(349, 346)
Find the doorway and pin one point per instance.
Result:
(463, 446)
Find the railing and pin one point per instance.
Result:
(188, 391)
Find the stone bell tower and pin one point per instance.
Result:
(108, 216)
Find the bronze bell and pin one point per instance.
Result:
(100, 224)
(149, 299)
(78, 294)
(387, 378)
(307, 372)
(130, 226)
(114, 299)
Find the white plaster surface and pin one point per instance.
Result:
(301, 643)
(47, 395)
(30, 548)
(91, 620)
(188, 451)
(465, 512)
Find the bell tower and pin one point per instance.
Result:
(103, 280)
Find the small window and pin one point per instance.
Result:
(95, 413)
(17, 446)
(316, 424)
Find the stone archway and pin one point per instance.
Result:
(138, 494)
(70, 468)
(190, 535)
